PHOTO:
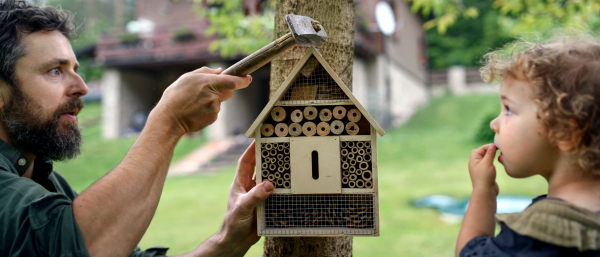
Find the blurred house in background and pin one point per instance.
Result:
(167, 40)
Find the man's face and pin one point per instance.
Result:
(41, 115)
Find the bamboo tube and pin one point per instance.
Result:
(345, 173)
(281, 130)
(360, 183)
(280, 182)
(367, 175)
(272, 167)
(265, 173)
(360, 144)
(339, 112)
(361, 152)
(277, 175)
(280, 169)
(286, 151)
(363, 165)
(359, 159)
(286, 184)
(296, 116)
(269, 146)
(286, 166)
(280, 147)
(344, 152)
(354, 115)
(352, 169)
(350, 156)
(345, 165)
(325, 115)
(278, 114)
(286, 145)
(352, 177)
(354, 150)
(344, 144)
(265, 165)
(280, 163)
(368, 184)
(271, 177)
(286, 176)
(351, 144)
(295, 129)
(309, 129)
(345, 180)
(286, 159)
(273, 152)
(368, 144)
(352, 184)
(310, 112)
(368, 150)
(323, 129)
(352, 128)
(337, 127)
(367, 158)
(359, 172)
(280, 157)
(352, 162)
(264, 153)
(267, 130)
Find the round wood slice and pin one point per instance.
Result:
(310, 112)
(354, 115)
(267, 130)
(309, 129)
(339, 112)
(296, 116)
(352, 128)
(278, 114)
(323, 129)
(295, 129)
(325, 115)
(337, 127)
(281, 130)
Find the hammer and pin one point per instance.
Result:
(304, 31)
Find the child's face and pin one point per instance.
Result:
(524, 151)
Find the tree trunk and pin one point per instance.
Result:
(337, 18)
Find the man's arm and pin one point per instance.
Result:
(114, 213)
(479, 219)
(238, 231)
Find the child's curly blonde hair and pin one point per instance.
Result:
(565, 77)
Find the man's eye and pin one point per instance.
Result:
(54, 72)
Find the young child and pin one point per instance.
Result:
(549, 126)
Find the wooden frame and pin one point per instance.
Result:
(303, 186)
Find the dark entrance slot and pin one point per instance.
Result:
(315, 164)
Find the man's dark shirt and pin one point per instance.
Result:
(36, 215)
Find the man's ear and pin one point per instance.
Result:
(572, 139)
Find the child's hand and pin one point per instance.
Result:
(481, 168)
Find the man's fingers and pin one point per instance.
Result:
(255, 196)
(207, 70)
(246, 163)
(227, 82)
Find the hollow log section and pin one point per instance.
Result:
(337, 17)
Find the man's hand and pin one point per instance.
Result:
(238, 232)
(481, 168)
(193, 101)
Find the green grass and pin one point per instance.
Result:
(428, 155)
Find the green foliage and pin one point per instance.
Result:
(238, 33)
(485, 134)
(183, 34)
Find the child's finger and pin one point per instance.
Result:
(489, 154)
(479, 153)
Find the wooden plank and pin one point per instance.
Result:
(347, 91)
(278, 95)
(375, 171)
(330, 177)
(261, 206)
(276, 140)
(282, 191)
(313, 103)
(358, 190)
(356, 138)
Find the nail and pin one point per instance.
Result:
(268, 187)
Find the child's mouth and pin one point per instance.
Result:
(500, 158)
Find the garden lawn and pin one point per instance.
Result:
(428, 155)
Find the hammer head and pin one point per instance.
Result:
(306, 31)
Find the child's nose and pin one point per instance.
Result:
(494, 125)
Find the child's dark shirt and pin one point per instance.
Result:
(548, 227)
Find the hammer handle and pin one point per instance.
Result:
(261, 57)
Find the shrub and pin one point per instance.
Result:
(485, 133)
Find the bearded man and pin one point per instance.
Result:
(40, 97)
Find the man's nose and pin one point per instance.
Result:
(77, 86)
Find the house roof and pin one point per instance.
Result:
(279, 94)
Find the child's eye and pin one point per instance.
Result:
(508, 110)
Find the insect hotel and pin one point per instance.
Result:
(317, 144)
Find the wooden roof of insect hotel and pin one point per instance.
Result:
(299, 90)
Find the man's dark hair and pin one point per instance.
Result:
(18, 17)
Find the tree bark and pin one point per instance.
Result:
(337, 18)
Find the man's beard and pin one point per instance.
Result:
(39, 135)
